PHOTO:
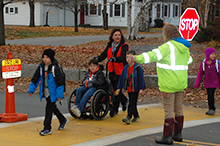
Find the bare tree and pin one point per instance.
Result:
(129, 18)
(207, 4)
(31, 5)
(2, 24)
(143, 12)
(207, 9)
(70, 5)
(105, 15)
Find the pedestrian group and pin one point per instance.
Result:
(126, 73)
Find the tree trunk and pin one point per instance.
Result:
(200, 12)
(31, 4)
(76, 17)
(129, 19)
(217, 8)
(206, 12)
(145, 20)
(2, 25)
(138, 18)
(105, 16)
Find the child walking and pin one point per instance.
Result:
(52, 83)
(94, 77)
(132, 80)
(209, 68)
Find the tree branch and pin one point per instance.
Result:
(8, 3)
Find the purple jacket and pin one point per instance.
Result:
(211, 79)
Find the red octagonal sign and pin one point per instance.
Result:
(189, 24)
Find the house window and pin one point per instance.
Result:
(175, 11)
(117, 9)
(166, 11)
(6, 10)
(11, 10)
(93, 9)
(16, 10)
(158, 10)
(123, 9)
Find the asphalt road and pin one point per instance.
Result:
(30, 105)
(67, 40)
(204, 135)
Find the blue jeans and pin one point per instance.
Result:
(83, 95)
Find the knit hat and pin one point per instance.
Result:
(209, 51)
(50, 53)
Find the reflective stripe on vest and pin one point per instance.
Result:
(173, 65)
(146, 58)
(159, 56)
(118, 67)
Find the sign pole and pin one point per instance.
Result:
(10, 115)
(9, 95)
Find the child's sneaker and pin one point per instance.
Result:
(76, 111)
(210, 112)
(62, 126)
(135, 119)
(45, 132)
(126, 120)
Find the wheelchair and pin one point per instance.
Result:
(100, 103)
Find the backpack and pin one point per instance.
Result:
(216, 66)
(63, 75)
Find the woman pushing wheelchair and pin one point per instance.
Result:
(115, 52)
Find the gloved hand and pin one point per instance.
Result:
(113, 59)
(96, 57)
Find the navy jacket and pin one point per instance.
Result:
(55, 84)
(137, 78)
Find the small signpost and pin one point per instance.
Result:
(189, 24)
(11, 68)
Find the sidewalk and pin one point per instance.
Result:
(104, 132)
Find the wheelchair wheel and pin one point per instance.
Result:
(100, 104)
(71, 102)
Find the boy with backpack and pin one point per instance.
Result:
(209, 68)
(132, 80)
(52, 84)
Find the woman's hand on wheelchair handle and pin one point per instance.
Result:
(113, 59)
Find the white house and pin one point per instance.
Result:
(19, 14)
(90, 13)
(167, 10)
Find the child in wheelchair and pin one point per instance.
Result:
(94, 77)
(132, 80)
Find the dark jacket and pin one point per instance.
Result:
(122, 58)
(94, 80)
(55, 84)
(137, 78)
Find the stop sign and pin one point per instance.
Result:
(189, 24)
